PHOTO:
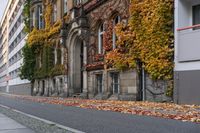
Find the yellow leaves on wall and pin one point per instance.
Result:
(107, 37)
(54, 29)
(44, 36)
(48, 16)
(36, 37)
(148, 37)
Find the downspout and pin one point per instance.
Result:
(143, 84)
(140, 77)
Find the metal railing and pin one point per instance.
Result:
(189, 27)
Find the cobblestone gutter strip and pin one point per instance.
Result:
(39, 126)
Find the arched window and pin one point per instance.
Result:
(100, 38)
(37, 20)
(40, 19)
(116, 20)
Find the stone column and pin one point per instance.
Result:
(65, 76)
(46, 89)
(61, 86)
(50, 86)
(55, 56)
(40, 88)
(105, 90)
(35, 87)
(62, 55)
(85, 73)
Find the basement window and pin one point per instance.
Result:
(115, 82)
(99, 83)
(196, 16)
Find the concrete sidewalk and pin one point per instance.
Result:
(8, 125)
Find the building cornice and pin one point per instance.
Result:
(92, 4)
(5, 12)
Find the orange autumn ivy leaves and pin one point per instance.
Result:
(121, 57)
(107, 37)
(148, 37)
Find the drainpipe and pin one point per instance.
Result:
(143, 85)
(140, 74)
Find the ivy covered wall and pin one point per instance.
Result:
(38, 53)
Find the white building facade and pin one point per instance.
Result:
(15, 42)
(187, 54)
(4, 52)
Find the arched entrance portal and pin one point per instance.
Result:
(77, 58)
(77, 65)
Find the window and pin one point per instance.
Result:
(196, 15)
(100, 39)
(99, 81)
(34, 18)
(19, 36)
(40, 20)
(58, 52)
(77, 2)
(54, 12)
(115, 83)
(65, 6)
(31, 19)
(61, 85)
(54, 83)
(38, 84)
(115, 22)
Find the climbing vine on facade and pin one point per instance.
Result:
(26, 15)
(41, 42)
(29, 61)
(107, 37)
(148, 37)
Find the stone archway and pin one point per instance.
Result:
(76, 43)
(77, 58)
(77, 65)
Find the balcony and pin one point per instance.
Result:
(187, 23)
(188, 44)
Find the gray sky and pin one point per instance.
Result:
(3, 4)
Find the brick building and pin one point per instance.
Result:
(83, 50)
(79, 49)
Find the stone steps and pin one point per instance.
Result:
(77, 95)
(113, 97)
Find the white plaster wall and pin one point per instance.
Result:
(16, 18)
(17, 48)
(16, 65)
(183, 18)
(17, 81)
(19, 29)
(3, 73)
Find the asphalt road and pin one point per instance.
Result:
(93, 121)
